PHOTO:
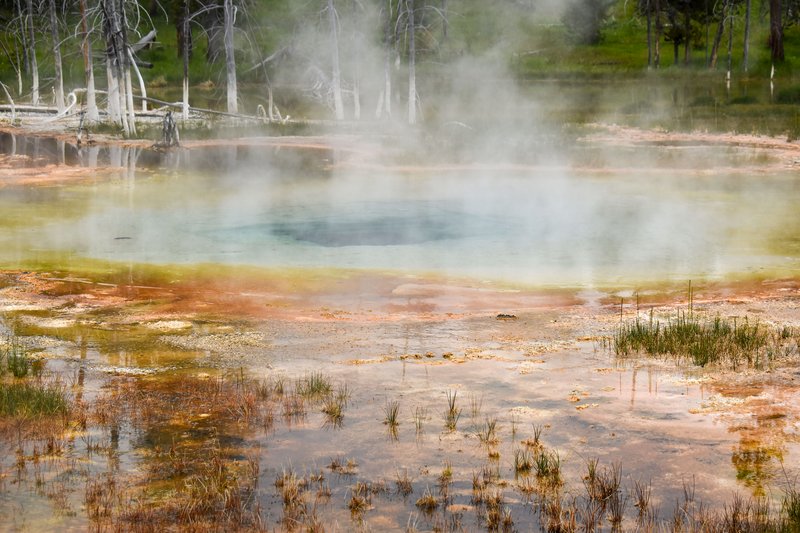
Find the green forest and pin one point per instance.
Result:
(359, 59)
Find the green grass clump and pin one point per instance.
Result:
(703, 342)
(32, 399)
(791, 510)
(523, 461)
(14, 358)
(314, 385)
(392, 411)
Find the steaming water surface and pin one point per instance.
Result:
(534, 224)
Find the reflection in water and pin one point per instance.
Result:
(756, 464)
(759, 455)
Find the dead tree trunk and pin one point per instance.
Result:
(185, 37)
(127, 59)
(32, 56)
(230, 58)
(113, 109)
(412, 66)
(385, 101)
(23, 36)
(92, 114)
(718, 37)
(338, 106)
(142, 86)
(115, 65)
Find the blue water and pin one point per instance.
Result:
(545, 225)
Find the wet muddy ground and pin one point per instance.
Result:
(171, 368)
(208, 396)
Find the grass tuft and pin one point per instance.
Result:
(427, 502)
(453, 413)
(791, 510)
(333, 408)
(14, 358)
(523, 461)
(718, 341)
(33, 399)
(488, 433)
(314, 385)
(403, 483)
(392, 411)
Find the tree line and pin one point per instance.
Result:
(112, 36)
(679, 22)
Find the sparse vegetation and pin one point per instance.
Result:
(428, 501)
(392, 410)
(343, 466)
(200, 438)
(453, 412)
(313, 386)
(33, 399)
(535, 442)
(333, 408)
(734, 342)
(403, 483)
(14, 358)
(488, 434)
(548, 468)
(523, 461)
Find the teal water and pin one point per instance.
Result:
(637, 215)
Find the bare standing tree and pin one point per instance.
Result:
(230, 58)
(23, 35)
(119, 61)
(724, 14)
(92, 115)
(127, 61)
(34, 66)
(113, 67)
(385, 99)
(184, 47)
(412, 64)
(183, 27)
(336, 80)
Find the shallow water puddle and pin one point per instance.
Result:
(157, 432)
